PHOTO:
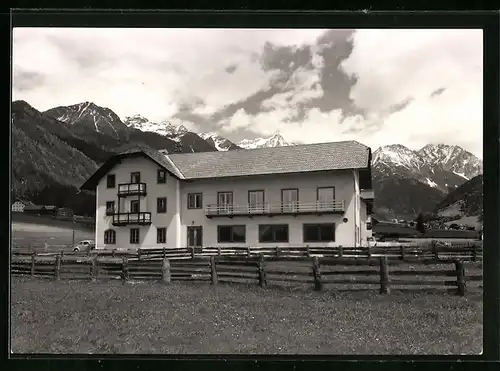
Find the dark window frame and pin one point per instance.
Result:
(194, 195)
(290, 189)
(110, 237)
(158, 209)
(274, 240)
(132, 240)
(255, 191)
(226, 192)
(328, 187)
(318, 227)
(164, 235)
(110, 184)
(133, 202)
(232, 233)
(159, 179)
(108, 212)
(138, 174)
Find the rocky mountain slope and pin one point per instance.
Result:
(219, 142)
(164, 128)
(466, 200)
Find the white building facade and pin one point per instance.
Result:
(18, 207)
(261, 197)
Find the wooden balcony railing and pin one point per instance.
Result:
(130, 189)
(279, 208)
(140, 218)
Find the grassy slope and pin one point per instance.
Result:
(108, 317)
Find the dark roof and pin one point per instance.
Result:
(32, 207)
(244, 162)
(276, 160)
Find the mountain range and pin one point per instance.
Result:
(56, 150)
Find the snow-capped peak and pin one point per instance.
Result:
(220, 143)
(399, 155)
(275, 140)
(165, 128)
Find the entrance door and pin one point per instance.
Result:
(134, 206)
(195, 237)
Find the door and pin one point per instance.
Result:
(135, 177)
(195, 238)
(326, 198)
(289, 200)
(256, 201)
(225, 202)
(134, 206)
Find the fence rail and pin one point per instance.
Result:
(464, 252)
(370, 272)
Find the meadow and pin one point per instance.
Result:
(152, 318)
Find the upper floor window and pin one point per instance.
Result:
(289, 199)
(161, 205)
(195, 200)
(326, 194)
(135, 177)
(324, 232)
(109, 237)
(255, 199)
(161, 176)
(111, 181)
(273, 233)
(110, 207)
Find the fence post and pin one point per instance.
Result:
(316, 274)
(369, 251)
(164, 252)
(308, 252)
(435, 250)
(341, 251)
(125, 268)
(58, 267)
(192, 252)
(277, 252)
(248, 252)
(262, 273)
(214, 270)
(384, 276)
(33, 256)
(165, 271)
(113, 253)
(474, 252)
(218, 250)
(460, 269)
(402, 252)
(138, 253)
(93, 269)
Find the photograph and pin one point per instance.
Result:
(246, 191)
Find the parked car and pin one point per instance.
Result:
(84, 246)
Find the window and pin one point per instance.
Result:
(224, 202)
(134, 235)
(161, 205)
(161, 176)
(135, 177)
(273, 233)
(255, 200)
(231, 233)
(110, 207)
(289, 199)
(195, 200)
(319, 232)
(161, 235)
(109, 237)
(111, 181)
(326, 194)
(134, 206)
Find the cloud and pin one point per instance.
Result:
(379, 87)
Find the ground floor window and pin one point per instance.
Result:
(319, 232)
(161, 235)
(109, 237)
(134, 235)
(231, 233)
(273, 233)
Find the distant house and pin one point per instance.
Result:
(64, 211)
(49, 210)
(41, 210)
(19, 205)
(33, 209)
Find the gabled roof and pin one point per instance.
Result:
(276, 160)
(137, 151)
(246, 162)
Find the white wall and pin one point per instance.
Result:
(147, 234)
(307, 183)
(18, 207)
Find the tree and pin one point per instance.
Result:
(420, 223)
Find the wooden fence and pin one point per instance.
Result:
(366, 273)
(472, 252)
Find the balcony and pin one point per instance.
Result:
(141, 218)
(131, 189)
(273, 209)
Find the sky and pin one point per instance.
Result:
(379, 87)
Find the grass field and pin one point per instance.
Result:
(25, 234)
(111, 317)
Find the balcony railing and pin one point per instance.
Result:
(130, 189)
(279, 208)
(140, 218)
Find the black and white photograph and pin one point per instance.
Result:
(216, 191)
